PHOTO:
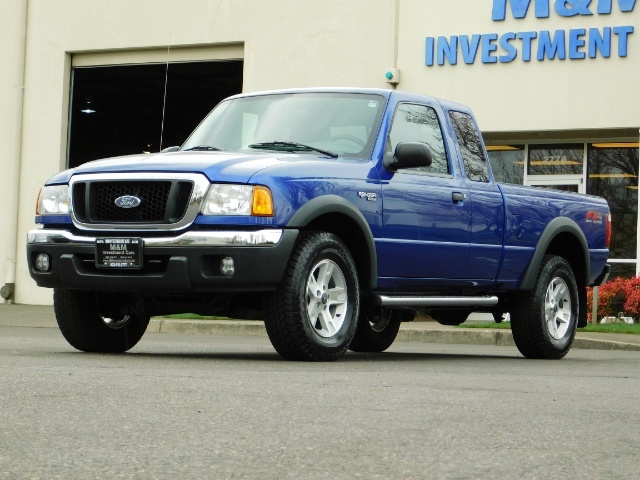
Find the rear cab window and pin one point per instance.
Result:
(466, 132)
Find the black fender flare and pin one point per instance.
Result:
(328, 204)
(552, 230)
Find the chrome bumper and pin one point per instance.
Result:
(259, 238)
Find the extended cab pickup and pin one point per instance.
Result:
(331, 214)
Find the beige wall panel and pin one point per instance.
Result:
(295, 43)
(286, 43)
(12, 39)
(521, 96)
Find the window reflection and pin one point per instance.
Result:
(507, 163)
(613, 175)
(556, 159)
(419, 123)
(475, 162)
(626, 270)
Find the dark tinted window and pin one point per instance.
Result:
(124, 109)
(419, 123)
(475, 163)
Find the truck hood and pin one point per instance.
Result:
(236, 167)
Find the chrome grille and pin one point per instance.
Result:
(166, 201)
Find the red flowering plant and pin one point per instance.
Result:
(621, 295)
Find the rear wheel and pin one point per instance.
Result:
(544, 320)
(313, 313)
(86, 329)
(378, 328)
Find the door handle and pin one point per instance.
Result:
(458, 197)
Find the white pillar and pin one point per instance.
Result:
(638, 221)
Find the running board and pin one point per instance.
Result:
(415, 301)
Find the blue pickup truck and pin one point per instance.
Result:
(331, 214)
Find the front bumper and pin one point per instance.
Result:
(186, 263)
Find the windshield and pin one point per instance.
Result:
(332, 124)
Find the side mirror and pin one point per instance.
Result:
(170, 149)
(408, 155)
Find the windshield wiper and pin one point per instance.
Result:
(202, 148)
(291, 146)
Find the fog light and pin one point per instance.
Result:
(227, 267)
(43, 262)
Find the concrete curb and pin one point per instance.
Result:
(42, 316)
(408, 333)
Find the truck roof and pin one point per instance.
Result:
(386, 93)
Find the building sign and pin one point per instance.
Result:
(571, 44)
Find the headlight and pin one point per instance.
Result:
(53, 200)
(224, 199)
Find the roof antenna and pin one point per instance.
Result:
(164, 101)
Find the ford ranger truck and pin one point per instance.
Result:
(331, 214)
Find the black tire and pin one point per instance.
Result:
(377, 328)
(314, 327)
(85, 329)
(544, 319)
(450, 317)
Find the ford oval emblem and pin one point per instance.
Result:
(127, 201)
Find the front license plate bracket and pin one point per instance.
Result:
(114, 253)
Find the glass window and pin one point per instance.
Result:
(560, 159)
(475, 163)
(341, 123)
(626, 270)
(419, 123)
(613, 175)
(562, 187)
(507, 163)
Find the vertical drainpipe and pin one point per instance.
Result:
(7, 291)
(396, 34)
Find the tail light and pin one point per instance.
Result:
(607, 235)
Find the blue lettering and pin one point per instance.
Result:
(576, 42)
(511, 51)
(448, 49)
(551, 48)
(488, 47)
(623, 37)
(428, 54)
(519, 9)
(565, 8)
(527, 39)
(469, 48)
(604, 6)
(599, 42)
(571, 8)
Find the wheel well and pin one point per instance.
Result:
(567, 246)
(351, 234)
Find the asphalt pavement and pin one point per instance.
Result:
(42, 316)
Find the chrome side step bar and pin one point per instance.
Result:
(416, 301)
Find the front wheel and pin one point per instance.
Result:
(86, 329)
(544, 319)
(313, 313)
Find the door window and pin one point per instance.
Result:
(419, 123)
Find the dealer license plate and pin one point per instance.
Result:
(119, 252)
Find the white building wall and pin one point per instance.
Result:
(287, 43)
(524, 96)
(290, 43)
